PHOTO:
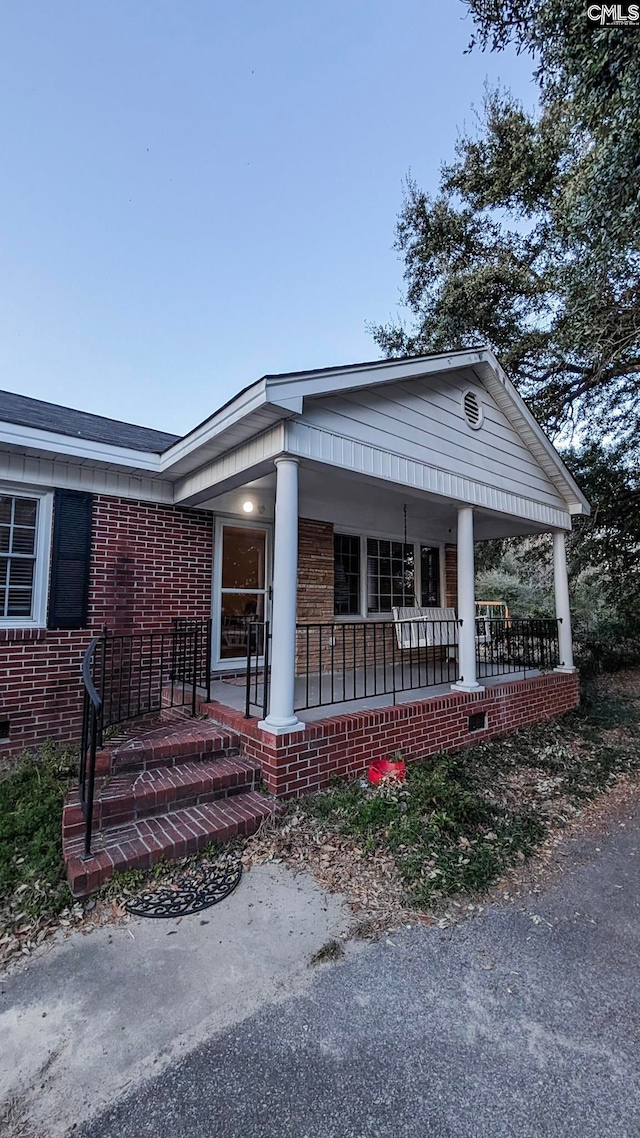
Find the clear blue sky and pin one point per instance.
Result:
(194, 193)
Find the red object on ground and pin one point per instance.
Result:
(383, 768)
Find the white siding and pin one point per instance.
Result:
(421, 419)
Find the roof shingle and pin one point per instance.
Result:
(27, 412)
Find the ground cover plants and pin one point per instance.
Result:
(445, 836)
(461, 820)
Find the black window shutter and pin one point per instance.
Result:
(69, 590)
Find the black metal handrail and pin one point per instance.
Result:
(342, 661)
(91, 732)
(257, 670)
(511, 644)
(128, 675)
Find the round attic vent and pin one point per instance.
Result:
(472, 408)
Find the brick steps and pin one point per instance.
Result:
(163, 790)
(127, 797)
(166, 744)
(142, 844)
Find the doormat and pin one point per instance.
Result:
(191, 892)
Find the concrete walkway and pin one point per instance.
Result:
(524, 1022)
(91, 1017)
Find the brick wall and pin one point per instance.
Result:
(149, 564)
(295, 765)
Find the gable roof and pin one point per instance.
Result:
(37, 413)
(260, 406)
(275, 397)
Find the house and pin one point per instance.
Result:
(299, 520)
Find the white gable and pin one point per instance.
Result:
(422, 419)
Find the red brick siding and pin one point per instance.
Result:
(149, 564)
(294, 765)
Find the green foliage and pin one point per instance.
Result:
(532, 243)
(521, 577)
(607, 545)
(445, 837)
(31, 797)
(460, 820)
(589, 81)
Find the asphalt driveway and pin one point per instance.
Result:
(524, 1022)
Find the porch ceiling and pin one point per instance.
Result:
(361, 503)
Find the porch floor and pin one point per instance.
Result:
(231, 692)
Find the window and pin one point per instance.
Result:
(390, 574)
(24, 528)
(346, 579)
(18, 532)
(429, 576)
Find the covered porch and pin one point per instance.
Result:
(351, 499)
(313, 567)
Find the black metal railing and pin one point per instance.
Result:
(340, 662)
(129, 675)
(510, 644)
(258, 670)
(91, 733)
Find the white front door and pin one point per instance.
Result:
(241, 587)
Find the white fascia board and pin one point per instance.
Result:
(288, 393)
(235, 468)
(330, 381)
(35, 470)
(34, 438)
(247, 401)
(489, 369)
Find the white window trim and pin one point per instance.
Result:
(362, 614)
(38, 618)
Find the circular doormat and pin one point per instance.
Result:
(190, 892)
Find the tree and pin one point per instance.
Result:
(609, 539)
(532, 243)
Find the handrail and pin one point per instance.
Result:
(91, 731)
(95, 698)
(258, 646)
(139, 673)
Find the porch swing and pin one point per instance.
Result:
(425, 626)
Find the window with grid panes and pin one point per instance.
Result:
(18, 547)
(346, 574)
(390, 574)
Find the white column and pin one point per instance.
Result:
(466, 604)
(281, 718)
(563, 612)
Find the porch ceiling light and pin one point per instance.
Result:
(248, 507)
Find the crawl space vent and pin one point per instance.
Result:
(472, 408)
(478, 721)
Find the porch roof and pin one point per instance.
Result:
(238, 443)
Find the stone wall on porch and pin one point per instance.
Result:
(315, 606)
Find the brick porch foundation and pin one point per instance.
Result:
(294, 765)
